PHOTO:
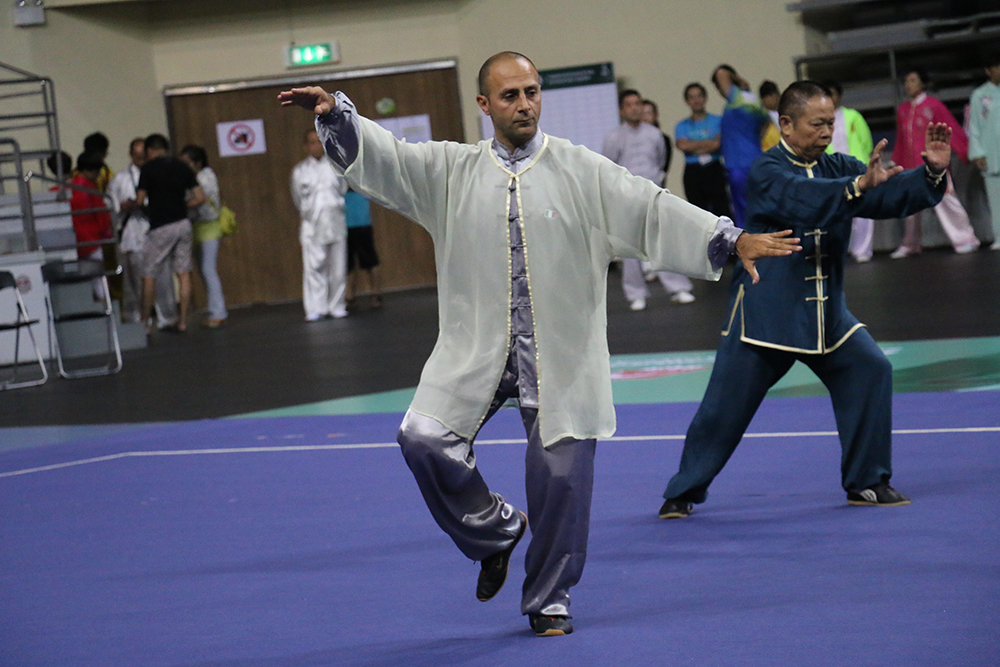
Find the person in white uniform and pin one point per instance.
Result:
(318, 193)
(524, 226)
(132, 225)
(984, 137)
(641, 148)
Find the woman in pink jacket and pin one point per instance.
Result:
(912, 119)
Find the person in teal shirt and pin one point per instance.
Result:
(984, 137)
(361, 253)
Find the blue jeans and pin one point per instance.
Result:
(206, 252)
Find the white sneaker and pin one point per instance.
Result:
(337, 314)
(995, 246)
(863, 259)
(682, 297)
(313, 317)
(902, 251)
(966, 248)
(638, 304)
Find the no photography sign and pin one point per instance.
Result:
(241, 137)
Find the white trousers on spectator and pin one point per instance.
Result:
(634, 280)
(993, 194)
(954, 222)
(324, 278)
(862, 235)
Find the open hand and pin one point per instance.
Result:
(877, 174)
(937, 147)
(750, 247)
(313, 98)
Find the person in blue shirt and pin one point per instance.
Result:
(743, 123)
(797, 310)
(361, 253)
(698, 137)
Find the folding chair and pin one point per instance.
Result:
(71, 302)
(7, 280)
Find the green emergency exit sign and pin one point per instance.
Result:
(307, 55)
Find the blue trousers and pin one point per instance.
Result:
(737, 180)
(858, 377)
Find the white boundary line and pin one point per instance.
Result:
(509, 441)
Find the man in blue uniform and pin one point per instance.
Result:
(797, 311)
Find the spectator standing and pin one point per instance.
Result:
(133, 225)
(769, 97)
(743, 121)
(912, 119)
(318, 193)
(361, 254)
(98, 143)
(698, 137)
(165, 183)
(641, 148)
(984, 137)
(207, 232)
(651, 115)
(89, 225)
(851, 136)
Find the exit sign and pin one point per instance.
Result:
(313, 54)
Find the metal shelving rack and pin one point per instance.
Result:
(868, 45)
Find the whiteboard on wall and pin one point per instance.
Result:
(578, 103)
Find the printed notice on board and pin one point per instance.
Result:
(241, 137)
(578, 103)
(412, 129)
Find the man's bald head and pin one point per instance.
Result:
(484, 71)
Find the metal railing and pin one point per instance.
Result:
(17, 85)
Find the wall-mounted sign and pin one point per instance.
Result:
(241, 137)
(413, 129)
(308, 55)
(385, 106)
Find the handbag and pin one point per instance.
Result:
(227, 220)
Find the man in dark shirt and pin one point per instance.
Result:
(164, 187)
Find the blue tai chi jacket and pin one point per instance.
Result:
(799, 305)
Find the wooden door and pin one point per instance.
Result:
(262, 262)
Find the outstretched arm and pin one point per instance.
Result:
(877, 173)
(313, 98)
(937, 147)
(751, 247)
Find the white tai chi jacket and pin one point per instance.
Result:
(318, 193)
(578, 211)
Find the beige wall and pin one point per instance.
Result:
(102, 68)
(657, 46)
(110, 62)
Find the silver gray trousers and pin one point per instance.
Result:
(559, 483)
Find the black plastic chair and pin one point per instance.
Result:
(61, 277)
(22, 320)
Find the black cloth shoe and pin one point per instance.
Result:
(494, 572)
(550, 626)
(880, 494)
(675, 509)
